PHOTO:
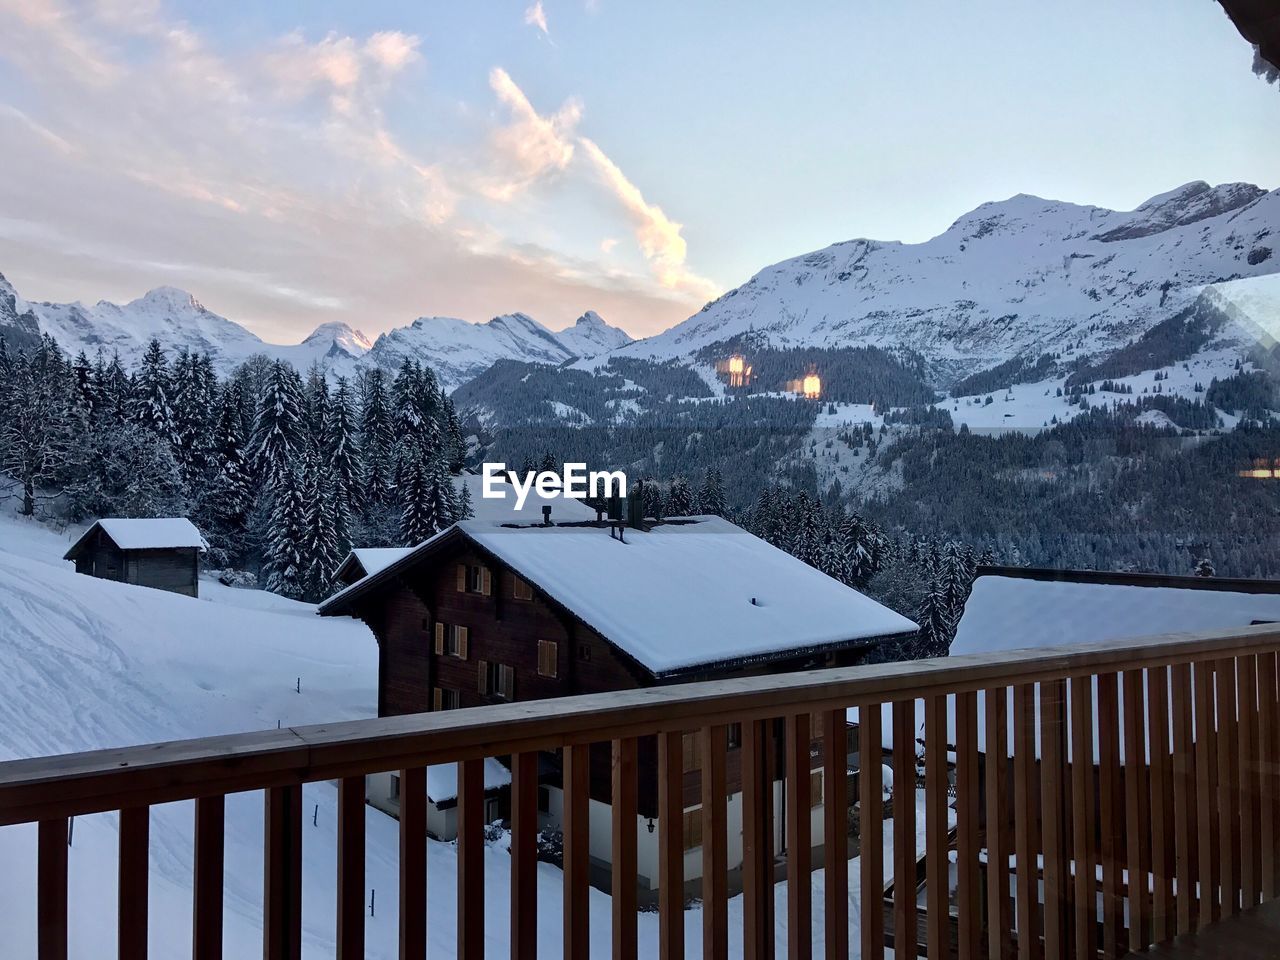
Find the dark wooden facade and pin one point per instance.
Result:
(510, 623)
(176, 569)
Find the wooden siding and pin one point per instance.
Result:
(176, 569)
(502, 629)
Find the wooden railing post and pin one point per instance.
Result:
(999, 911)
(968, 802)
(937, 884)
(350, 880)
(905, 934)
(871, 828)
(1110, 812)
(670, 846)
(577, 845)
(1083, 818)
(524, 856)
(206, 921)
(471, 905)
(835, 830)
(799, 840)
(413, 863)
(715, 900)
(1026, 821)
(757, 842)
(51, 890)
(1053, 789)
(623, 892)
(282, 868)
(131, 892)
(1136, 806)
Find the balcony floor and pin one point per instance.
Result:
(1254, 933)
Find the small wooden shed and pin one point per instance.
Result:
(163, 553)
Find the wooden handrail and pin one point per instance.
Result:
(1068, 784)
(100, 780)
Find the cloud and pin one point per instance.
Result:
(607, 244)
(536, 16)
(530, 147)
(270, 182)
(658, 235)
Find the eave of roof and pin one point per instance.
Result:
(1258, 22)
(1112, 578)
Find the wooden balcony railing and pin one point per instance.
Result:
(1106, 797)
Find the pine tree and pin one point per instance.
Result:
(231, 491)
(1204, 568)
(286, 565)
(36, 427)
(320, 548)
(278, 431)
(193, 406)
(417, 521)
(151, 394)
(711, 494)
(465, 508)
(342, 452)
(679, 498)
(377, 483)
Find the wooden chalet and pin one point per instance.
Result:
(489, 613)
(163, 553)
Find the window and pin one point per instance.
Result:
(584, 652)
(496, 680)
(521, 590)
(474, 578)
(693, 828)
(548, 657)
(395, 787)
(445, 699)
(452, 640)
(733, 736)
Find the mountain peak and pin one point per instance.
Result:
(1189, 203)
(591, 336)
(341, 336)
(171, 298)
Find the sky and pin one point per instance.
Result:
(306, 161)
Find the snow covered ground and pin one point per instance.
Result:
(86, 664)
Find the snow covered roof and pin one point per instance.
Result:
(376, 559)
(678, 596)
(492, 510)
(161, 533)
(1012, 608)
(442, 780)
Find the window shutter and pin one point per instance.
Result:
(507, 678)
(462, 578)
(815, 789)
(482, 675)
(486, 585)
(548, 654)
(439, 640)
(692, 828)
(437, 699)
(521, 589)
(462, 642)
(692, 750)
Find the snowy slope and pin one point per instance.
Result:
(87, 663)
(1023, 275)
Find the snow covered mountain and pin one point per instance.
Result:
(1018, 276)
(455, 349)
(458, 350)
(18, 323)
(590, 336)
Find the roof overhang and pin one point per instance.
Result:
(1258, 22)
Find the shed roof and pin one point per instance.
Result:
(160, 533)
